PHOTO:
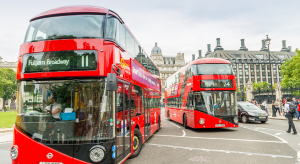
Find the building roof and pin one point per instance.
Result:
(248, 55)
(156, 49)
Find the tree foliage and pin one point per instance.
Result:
(8, 84)
(262, 85)
(290, 71)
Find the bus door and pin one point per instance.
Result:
(147, 113)
(123, 128)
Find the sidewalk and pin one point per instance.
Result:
(4, 130)
(280, 117)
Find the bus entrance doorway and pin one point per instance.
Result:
(123, 127)
(147, 114)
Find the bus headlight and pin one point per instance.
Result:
(14, 153)
(201, 121)
(97, 153)
(235, 120)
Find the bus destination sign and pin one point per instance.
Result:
(54, 61)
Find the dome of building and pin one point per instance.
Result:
(156, 49)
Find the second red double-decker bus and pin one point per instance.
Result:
(87, 92)
(202, 95)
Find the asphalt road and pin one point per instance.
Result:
(250, 143)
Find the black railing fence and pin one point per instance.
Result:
(261, 95)
(292, 91)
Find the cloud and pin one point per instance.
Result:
(177, 26)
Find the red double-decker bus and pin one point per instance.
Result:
(87, 91)
(202, 95)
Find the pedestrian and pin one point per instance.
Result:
(290, 109)
(298, 108)
(265, 106)
(277, 107)
(295, 102)
(255, 103)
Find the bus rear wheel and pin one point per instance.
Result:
(184, 122)
(137, 143)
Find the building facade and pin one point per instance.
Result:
(167, 65)
(253, 66)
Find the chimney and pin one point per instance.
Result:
(290, 48)
(263, 46)
(219, 47)
(200, 54)
(284, 49)
(155, 44)
(208, 50)
(243, 47)
(193, 56)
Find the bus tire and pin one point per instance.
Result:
(137, 143)
(168, 115)
(158, 128)
(184, 122)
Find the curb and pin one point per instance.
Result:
(6, 130)
(276, 118)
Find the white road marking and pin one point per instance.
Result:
(265, 133)
(228, 139)
(298, 154)
(183, 133)
(223, 151)
(277, 134)
(175, 125)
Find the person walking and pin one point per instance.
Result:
(295, 102)
(265, 106)
(298, 108)
(277, 107)
(289, 108)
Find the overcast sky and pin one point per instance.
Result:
(176, 25)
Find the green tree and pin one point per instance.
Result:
(8, 84)
(290, 71)
(262, 85)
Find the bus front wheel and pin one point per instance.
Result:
(137, 143)
(168, 115)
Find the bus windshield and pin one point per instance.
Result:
(214, 69)
(216, 103)
(65, 27)
(64, 111)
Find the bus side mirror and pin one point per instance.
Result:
(111, 83)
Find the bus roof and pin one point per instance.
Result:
(203, 61)
(210, 61)
(73, 10)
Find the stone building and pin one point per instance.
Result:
(253, 66)
(12, 65)
(5, 64)
(167, 65)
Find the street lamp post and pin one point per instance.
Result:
(267, 41)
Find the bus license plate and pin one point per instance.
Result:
(218, 125)
(262, 117)
(51, 163)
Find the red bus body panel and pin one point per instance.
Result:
(192, 115)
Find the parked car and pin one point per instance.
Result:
(248, 112)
